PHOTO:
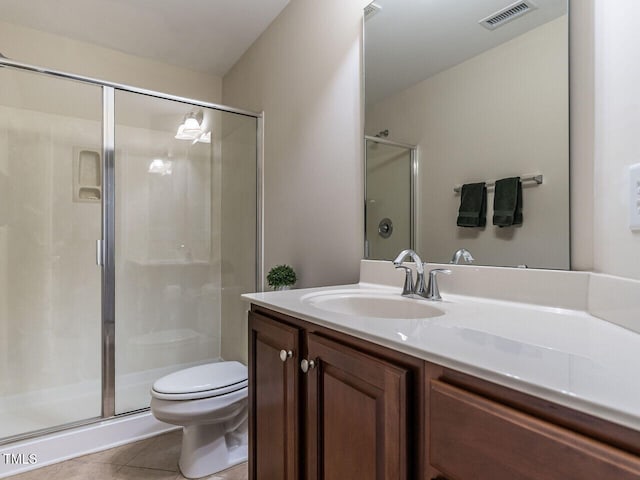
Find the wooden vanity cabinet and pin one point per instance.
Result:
(356, 413)
(365, 412)
(481, 431)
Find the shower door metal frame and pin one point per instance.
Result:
(105, 247)
(413, 188)
(108, 255)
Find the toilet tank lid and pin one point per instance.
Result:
(210, 376)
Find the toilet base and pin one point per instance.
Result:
(208, 449)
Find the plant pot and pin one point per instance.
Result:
(282, 287)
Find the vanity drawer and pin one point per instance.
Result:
(472, 437)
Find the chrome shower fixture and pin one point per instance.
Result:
(383, 133)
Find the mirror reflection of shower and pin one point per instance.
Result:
(389, 196)
(380, 134)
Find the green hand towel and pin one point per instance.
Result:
(517, 217)
(473, 205)
(507, 202)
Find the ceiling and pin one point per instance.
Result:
(203, 35)
(408, 41)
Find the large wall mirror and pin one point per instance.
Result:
(460, 93)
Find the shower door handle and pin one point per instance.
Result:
(99, 253)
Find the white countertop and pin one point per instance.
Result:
(566, 356)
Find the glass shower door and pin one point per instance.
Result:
(185, 233)
(50, 284)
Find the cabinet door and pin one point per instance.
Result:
(356, 415)
(476, 438)
(273, 410)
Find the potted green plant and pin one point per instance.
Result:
(281, 277)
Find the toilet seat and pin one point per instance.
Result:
(203, 381)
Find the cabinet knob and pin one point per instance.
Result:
(307, 365)
(284, 354)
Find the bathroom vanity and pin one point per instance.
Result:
(347, 416)
(462, 393)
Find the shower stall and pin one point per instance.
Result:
(128, 230)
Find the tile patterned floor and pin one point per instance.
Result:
(152, 459)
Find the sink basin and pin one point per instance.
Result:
(370, 304)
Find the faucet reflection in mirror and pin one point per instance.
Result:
(462, 253)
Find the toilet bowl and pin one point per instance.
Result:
(210, 403)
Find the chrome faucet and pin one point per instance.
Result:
(409, 288)
(464, 254)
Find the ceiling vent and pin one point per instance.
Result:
(513, 11)
(370, 10)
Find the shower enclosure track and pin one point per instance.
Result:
(119, 86)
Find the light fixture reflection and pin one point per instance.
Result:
(205, 138)
(191, 128)
(159, 166)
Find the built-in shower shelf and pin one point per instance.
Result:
(87, 175)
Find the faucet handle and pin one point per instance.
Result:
(433, 293)
(435, 271)
(407, 289)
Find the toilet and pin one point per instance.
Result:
(210, 403)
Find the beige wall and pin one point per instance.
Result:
(604, 135)
(484, 119)
(304, 72)
(617, 139)
(582, 132)
(43, 49)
